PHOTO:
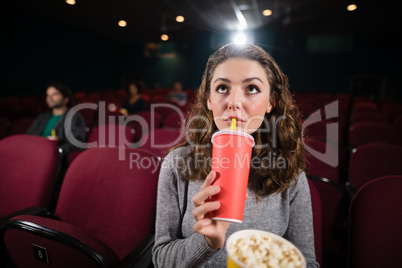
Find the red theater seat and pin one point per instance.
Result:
(28, 169)
(375, 220)
(106, 208)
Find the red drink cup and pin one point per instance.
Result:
(231, 156)
(53, 138)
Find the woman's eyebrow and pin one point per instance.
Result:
(251, 79)
(244, 81)
(222, 79)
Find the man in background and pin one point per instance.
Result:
(51, 124)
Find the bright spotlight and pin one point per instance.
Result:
(240, 38)
(122, 23)
(164, 37)
(351, 7)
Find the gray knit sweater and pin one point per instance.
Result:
(176, 244)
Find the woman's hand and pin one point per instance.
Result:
(213, 231)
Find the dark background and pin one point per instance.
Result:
(37, 49)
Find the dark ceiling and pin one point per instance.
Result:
(148, 19)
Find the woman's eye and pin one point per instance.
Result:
(253, 89)
(222, 89)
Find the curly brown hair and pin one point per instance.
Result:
(282, 143)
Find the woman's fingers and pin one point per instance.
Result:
(200, 211)
(209, 179)
(200, 225)
(206, 190)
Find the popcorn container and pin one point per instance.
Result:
(255, 248)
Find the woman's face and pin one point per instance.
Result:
(133, 89)
(239, 89)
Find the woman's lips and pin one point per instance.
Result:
(238, 120)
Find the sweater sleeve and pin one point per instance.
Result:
(171, 249)
(300, 228)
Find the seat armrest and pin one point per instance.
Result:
(27, 211)
(140, 256)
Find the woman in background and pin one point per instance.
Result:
(134, 103)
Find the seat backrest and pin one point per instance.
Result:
(317, 220)
(174, 120)
(110, 198)
(368, 117)
(20, 126)
(317, 165)
(366, 132)
(152, 121)
(335, 201)
(160, 141)
(111, 135)
(364, 106)
(164, 109)
(374, 160)
(318, 130)
(28, 171)
(375, 220)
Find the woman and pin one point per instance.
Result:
(134, 103)
(245, 83)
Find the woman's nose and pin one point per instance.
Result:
(235, 99)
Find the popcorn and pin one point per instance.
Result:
(259, 250)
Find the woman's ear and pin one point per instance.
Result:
(271, 104)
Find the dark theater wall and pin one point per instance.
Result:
(35, 51)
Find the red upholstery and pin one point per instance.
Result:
(375, 220)
(160, 141)
(88, 115)
(106, 202)
(28, 170)
(367, 117)
(366, 132)
(364, 106)
(334, 200)
(164, 109)
(374, 160)
(317, 221)
(20, 126)
(111, 135)
(152, 120)
(319, 129)
(111, 199)
(174, 120)
(393, 112)
(317, 166)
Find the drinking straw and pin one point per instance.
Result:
(233, 127)
(53, 133)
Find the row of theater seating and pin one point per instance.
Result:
(105, 212)
(14, 108)
(17, 114)
(350, 142)
(345, 167)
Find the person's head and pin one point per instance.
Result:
(177, 87)
(134, 87)
(245, 82)
(58, 95)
